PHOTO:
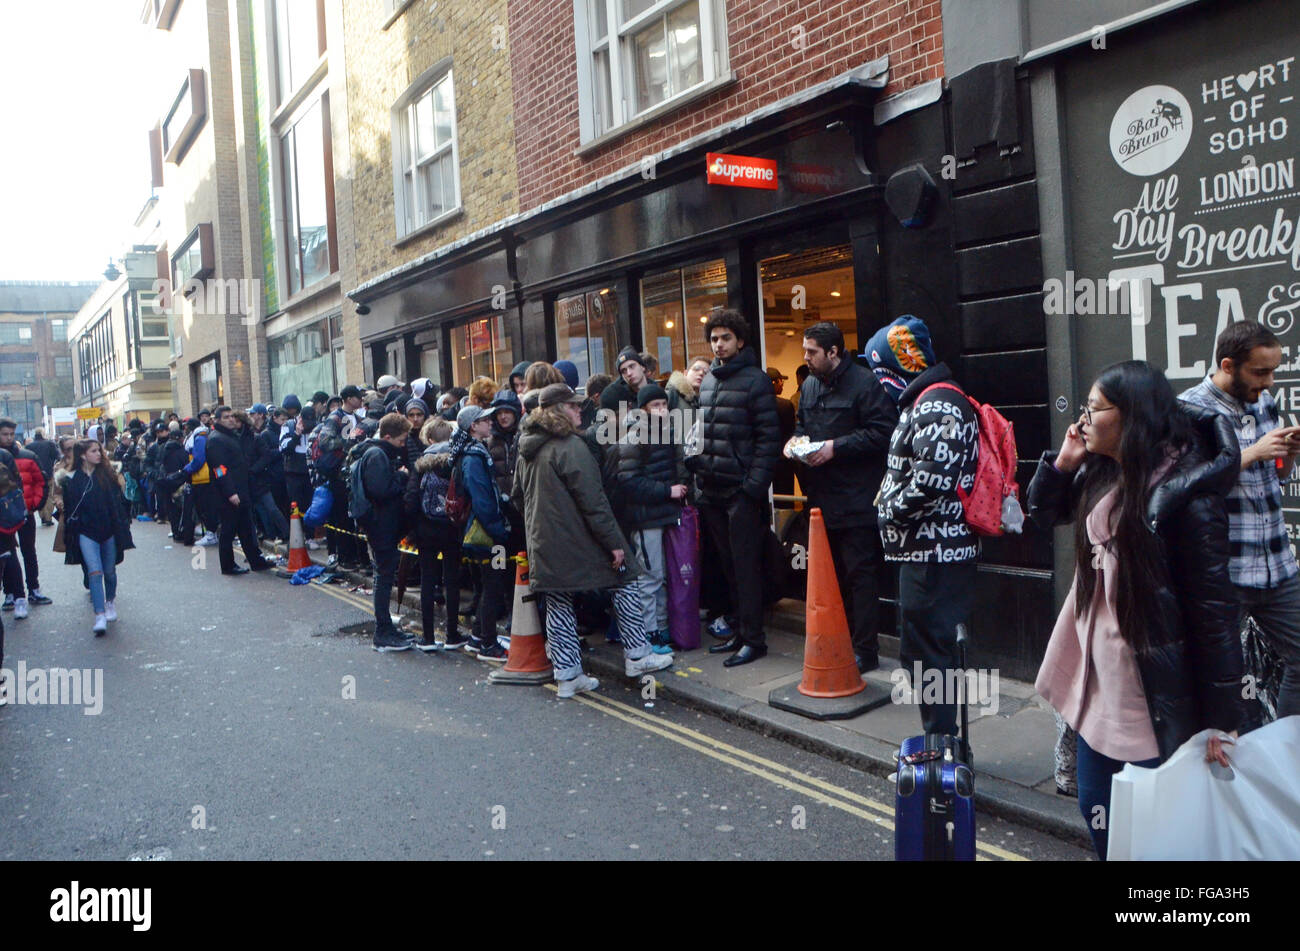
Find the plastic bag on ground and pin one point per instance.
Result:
(1190, 809)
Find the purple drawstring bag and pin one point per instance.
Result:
(682, 572)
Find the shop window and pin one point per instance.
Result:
(481, 348)
(431, 364)
(426, 174)
(308, 181)
(636, 55)
(675, 305)
(799, 290)
(301, 361)
(586, 328)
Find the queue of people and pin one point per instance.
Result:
(1175, 503)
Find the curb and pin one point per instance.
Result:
(994, 796)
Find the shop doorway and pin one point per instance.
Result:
(798, 290)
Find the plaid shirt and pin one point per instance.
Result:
(1260, 553)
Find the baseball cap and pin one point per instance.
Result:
(388, 380)
(421, 387)
(470, 415)
(557, 393)
(258, 408)
(776, 374)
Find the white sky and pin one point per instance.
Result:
(79, 92)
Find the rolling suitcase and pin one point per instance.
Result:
(934, 804)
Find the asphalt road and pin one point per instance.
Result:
(226, 733)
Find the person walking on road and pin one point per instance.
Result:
(22, 581)
(97, 531)
(1146, 651)
(574, 542)
(47, 454)
(228, 463)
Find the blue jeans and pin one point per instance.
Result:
(100, 561)
(1095, 772)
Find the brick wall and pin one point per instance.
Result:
(381, 64)
(775, 49)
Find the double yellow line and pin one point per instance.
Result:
(819, 790)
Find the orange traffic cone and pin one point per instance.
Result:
(298, 557)
(526, 662)
(829, 669)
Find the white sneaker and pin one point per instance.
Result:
(579, 684)
(208, 540)
(100, 626)
(110, 611)
(20, 608)
(314, 545)
(647, 664)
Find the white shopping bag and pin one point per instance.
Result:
(1190, 809)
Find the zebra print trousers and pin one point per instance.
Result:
(562, 629)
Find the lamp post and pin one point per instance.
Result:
(27, 421)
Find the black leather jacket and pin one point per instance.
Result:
(1192, 675)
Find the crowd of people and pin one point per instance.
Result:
(1175, 502)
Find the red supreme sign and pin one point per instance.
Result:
(741, 170)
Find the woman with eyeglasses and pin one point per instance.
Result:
(98, 531)
(1146, 650)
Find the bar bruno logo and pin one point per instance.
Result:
(741, 170)
(1151, 130)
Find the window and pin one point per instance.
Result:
(586, 330)
(97, 355)
(301, 361)
(63, 368)
(209, 388)
(675, 306)
(425, 164)
(59, 329)
(308, 195)
(480, 348)
(186, 117)
(299, 42)
(153, 320)
(15, 333)
(635, 55)
(18, 373)
(163, 12)
(195, 261)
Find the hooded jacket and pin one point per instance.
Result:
(229, 465)
(385, 487)
(474, 475)
(681, 395)
(932, 452)
(852, 409)
(739, 429)
(27, 469)
(196, 444)
(570, 527)
(503, 445)
(650, 463)
(435, 458)
(1192, 674)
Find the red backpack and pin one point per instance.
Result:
(995, 471)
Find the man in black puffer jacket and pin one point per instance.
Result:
(739, 443)
(653, 474)
(228, 464)
(845, 408)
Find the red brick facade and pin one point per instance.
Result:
(764, 38)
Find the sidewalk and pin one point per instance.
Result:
(1013, 748)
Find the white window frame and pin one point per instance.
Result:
(408, 207)
(617, 44)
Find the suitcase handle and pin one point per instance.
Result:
(962, 638)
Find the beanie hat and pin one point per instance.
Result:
(416, 403)
(651, 391)
(626, 354)
(470, 415)
(568, 371)
(899, 353)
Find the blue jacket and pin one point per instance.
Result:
(476, 476)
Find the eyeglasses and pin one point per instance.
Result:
(1087, 411)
